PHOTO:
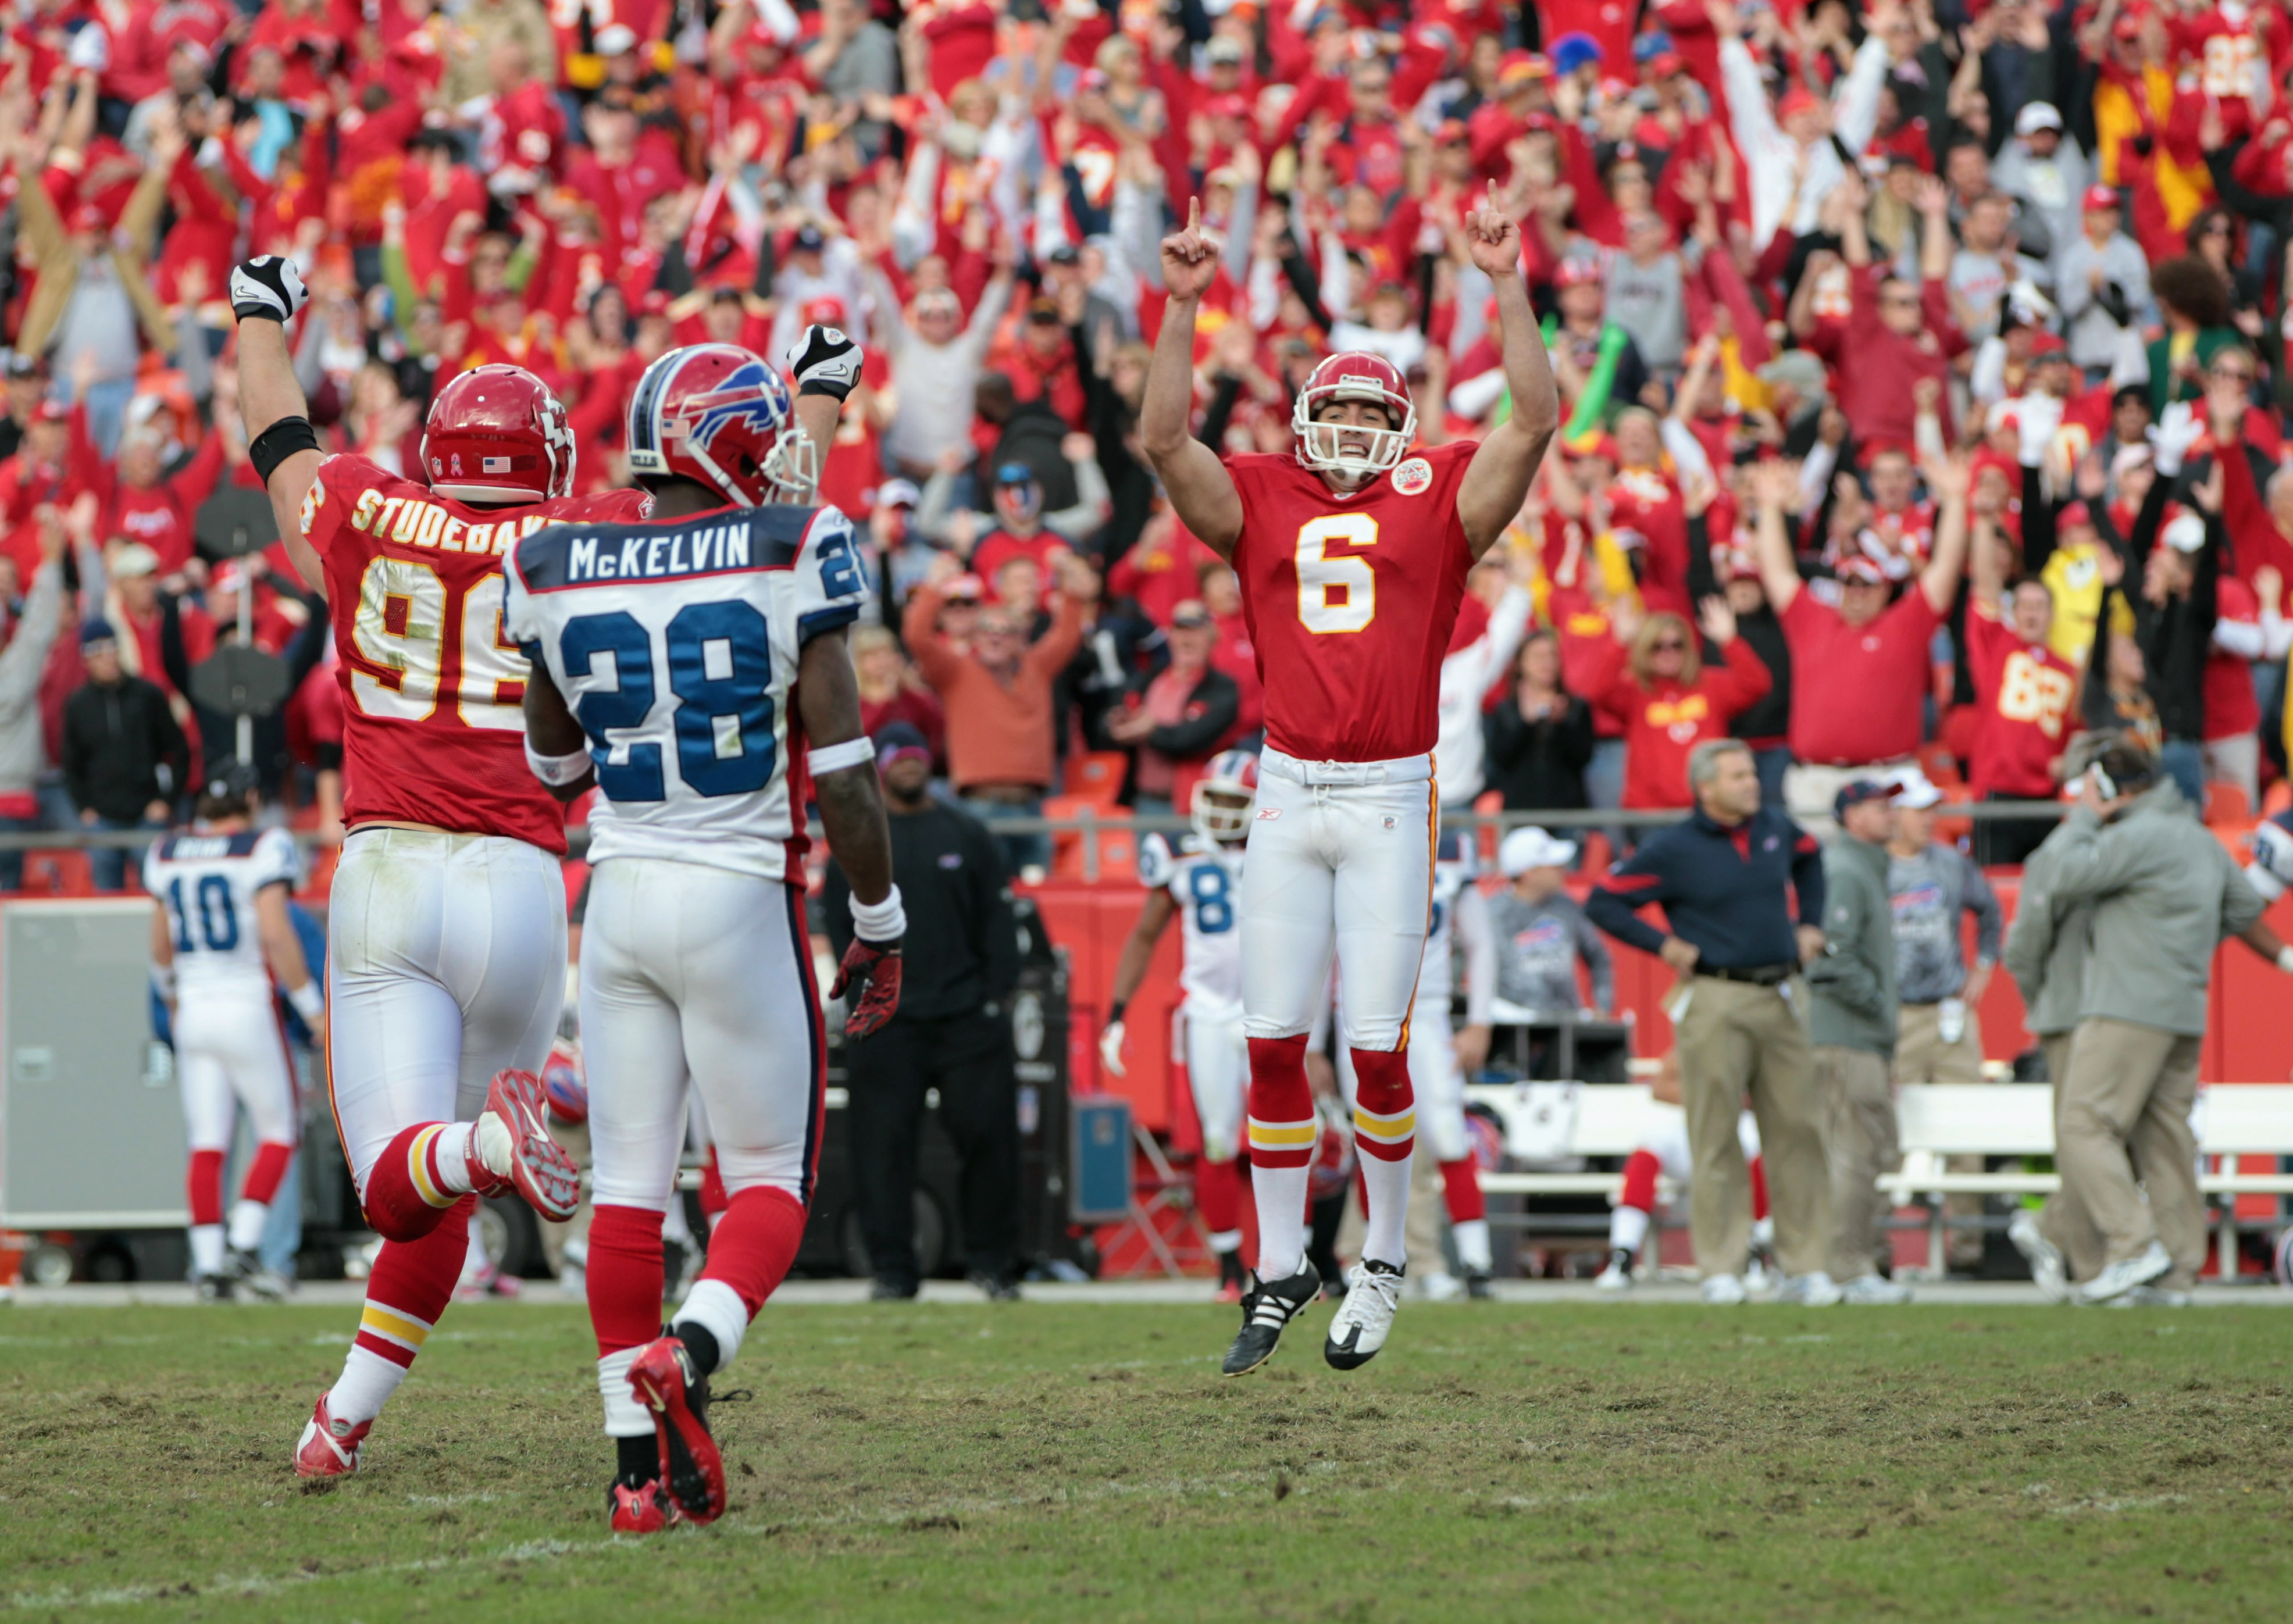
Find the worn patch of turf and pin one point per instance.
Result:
(1060, 1462)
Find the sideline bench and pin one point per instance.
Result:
(2004, 1119)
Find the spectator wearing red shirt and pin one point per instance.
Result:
(1039, 360)
(1671, 701)
(1859, 671)
(2024, 693)
(1896, 333)
(142, 504)
(51, 469)
(891, 690)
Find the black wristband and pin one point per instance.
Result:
(814, 386)
(1114, 1010)
(278, 442)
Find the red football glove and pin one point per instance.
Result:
(872, 970)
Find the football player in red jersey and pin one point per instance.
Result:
(1352, 550)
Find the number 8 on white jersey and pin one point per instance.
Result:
(675, 644)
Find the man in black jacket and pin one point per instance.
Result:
(952, 1032)
(122, 752)
(1180, 716)
(1729, 879)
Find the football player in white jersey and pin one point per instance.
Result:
(1440, 1056)
(695, 666)
(1202, 884)
(219, 934)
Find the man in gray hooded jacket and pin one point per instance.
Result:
(2165, 893)
(1851, 1024)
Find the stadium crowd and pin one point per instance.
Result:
(1809, 273)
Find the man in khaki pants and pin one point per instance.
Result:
(1852, 1020)
(1727, 879)
(1937, 1037)
(2164, 894)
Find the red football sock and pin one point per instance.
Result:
(1461, 1188)
(1385, 1136)
(1641, 1168)
(1759, 1188)
(1283, 1134)
(624, 1277)
(1218, 1195)
(412, 1282)
(406, 1191)
(204, 1186)
(264, 1174)
(754, 1243)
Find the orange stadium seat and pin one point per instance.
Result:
(2227, 805)
(1488, 804)
(1940, 766)
(2277, 798)
(1118, 842)
(1095, 776)
(58, 874)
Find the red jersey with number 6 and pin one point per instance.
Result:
(434, 727)
(1351, 599)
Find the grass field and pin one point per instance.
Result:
(1059, 1461)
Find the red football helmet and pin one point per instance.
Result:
(1354, 375)
(498, 435)
(721, 416)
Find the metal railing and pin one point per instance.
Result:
(1094, 829)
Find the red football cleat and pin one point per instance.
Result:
(639, 1511)
(514, 1129)
(329, 1448)
(691, 1470)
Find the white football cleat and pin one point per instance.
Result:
(2048, 1271)
(1618, 1275)
(1724, 1290)
(1366, 1318)
(2122, 1276)
(1814, 1290)
(1874, 1290)
(1443, 1288)
(2151, 1297)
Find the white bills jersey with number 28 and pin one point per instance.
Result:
(1207, 887)
(675, 643)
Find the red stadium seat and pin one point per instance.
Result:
(2226, 806)
(58, 874)
(1488, 804)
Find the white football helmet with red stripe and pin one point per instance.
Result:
(1223, 797)
(1354, 375)
(498, 435)
(721, 416)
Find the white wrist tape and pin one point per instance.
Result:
(163, 981)
(306, 1000)
(884, 921)
(833, 757)
(2285, 959)
(559, 770)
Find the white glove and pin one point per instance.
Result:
(825, 362)
(2037, 417)
(2178, 430)
(268, 287)
(1110, 1048)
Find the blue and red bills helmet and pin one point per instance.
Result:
(721, 416)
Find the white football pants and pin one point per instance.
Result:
(1218, 1072)
(1340, 860)
(700, 976)
(230, 1051)
(445, 964)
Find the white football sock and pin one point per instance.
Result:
(206, 1249)
(718, 1309)
(625, 1416)
(1225, 1241)
(453, 1146)
(247, 1221)
(365, 1385)
(1628, 1226)
(1472, 1239)
(1280, 1194)
(1385, 1191)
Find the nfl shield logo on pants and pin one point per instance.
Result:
(1389, 823)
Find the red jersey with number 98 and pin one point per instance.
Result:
(1350, 599)
(433, 728)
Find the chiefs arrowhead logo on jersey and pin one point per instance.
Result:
(1413, 477)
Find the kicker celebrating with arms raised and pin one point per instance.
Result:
(1352, 552)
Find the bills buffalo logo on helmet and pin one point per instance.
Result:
(751, 395)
